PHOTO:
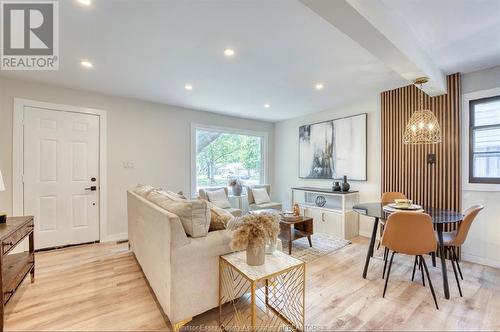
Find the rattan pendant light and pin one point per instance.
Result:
(423, 126)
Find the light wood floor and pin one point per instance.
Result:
(100, 287)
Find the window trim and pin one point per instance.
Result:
(469, 182)
(228, 130)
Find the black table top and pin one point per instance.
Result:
(324, 190)
(439, 216)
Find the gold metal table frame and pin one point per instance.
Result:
(265, 298)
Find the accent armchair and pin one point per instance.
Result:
(203, 192)
(252, 205)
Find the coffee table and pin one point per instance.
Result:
(292, 230)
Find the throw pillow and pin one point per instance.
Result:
(218, 197)
(194, 214)
(260, 195)
(219, 218)
(143, 189)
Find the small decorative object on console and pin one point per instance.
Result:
(296, 210)
(336, 186)
(236, 186)
(320, 201)
(345, 184)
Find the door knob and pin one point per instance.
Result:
(91, 188)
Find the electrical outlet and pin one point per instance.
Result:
(128, 164)
(431, 158)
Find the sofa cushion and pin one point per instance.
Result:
(194, 214)
(143, 189)
(260, 195)
(270, 205)
(218, 197)
(218, 217)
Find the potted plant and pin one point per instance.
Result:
(236, 186)
(252, 232)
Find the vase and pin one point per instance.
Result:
(336, 186)
(256, 254)
(345, 185)
(271, 247)
(237, 189)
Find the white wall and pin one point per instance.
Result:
(155, 137)
(287, 158)
(483, 243)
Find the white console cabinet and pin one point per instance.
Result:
(331, 210)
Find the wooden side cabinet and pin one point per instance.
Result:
(15, 267)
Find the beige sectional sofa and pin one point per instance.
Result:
(181, 270)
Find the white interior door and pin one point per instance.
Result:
(61, 167)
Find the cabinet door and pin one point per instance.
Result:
(333, 224)
(318, 219)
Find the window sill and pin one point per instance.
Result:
(481, 187)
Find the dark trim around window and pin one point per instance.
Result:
(472, 129)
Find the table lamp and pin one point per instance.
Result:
(3, 215)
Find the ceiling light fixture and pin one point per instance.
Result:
(319, 86)
(85, 2)
(423, 126)
(86, 64)
(229, 52)
(267, 105)
(188, 87)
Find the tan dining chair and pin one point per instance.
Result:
(388, 197)
(455, 239)
(410, 233)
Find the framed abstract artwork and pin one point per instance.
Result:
(334, 148)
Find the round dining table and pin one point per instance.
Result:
(439, 217)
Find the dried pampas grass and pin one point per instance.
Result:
(254, 230)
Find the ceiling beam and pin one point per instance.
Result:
(374, 27)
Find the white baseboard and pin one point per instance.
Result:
(365, 234)
(115, 237)
(480, 260)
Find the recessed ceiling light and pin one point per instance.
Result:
(229, 52)
(319, 86)
(267, 105)
(86, 64)
(188, 87)
(85, 2)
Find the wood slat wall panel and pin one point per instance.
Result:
(404, 167)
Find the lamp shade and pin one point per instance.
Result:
(422, 128)
(2, 186)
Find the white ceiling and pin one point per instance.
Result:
(459, 35)
(151, 49)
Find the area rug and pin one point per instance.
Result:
(323, 244)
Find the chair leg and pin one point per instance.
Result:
(456, 276)
(421, 270)
(455, 257)
(388, 273)
(381, 233)
(433, 255)
(414, 268)
(429, 279)
(386, 254)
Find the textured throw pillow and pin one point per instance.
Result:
(143, 189)
(219, 218)
(218, 197)
(260, 195)
(194, 214)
